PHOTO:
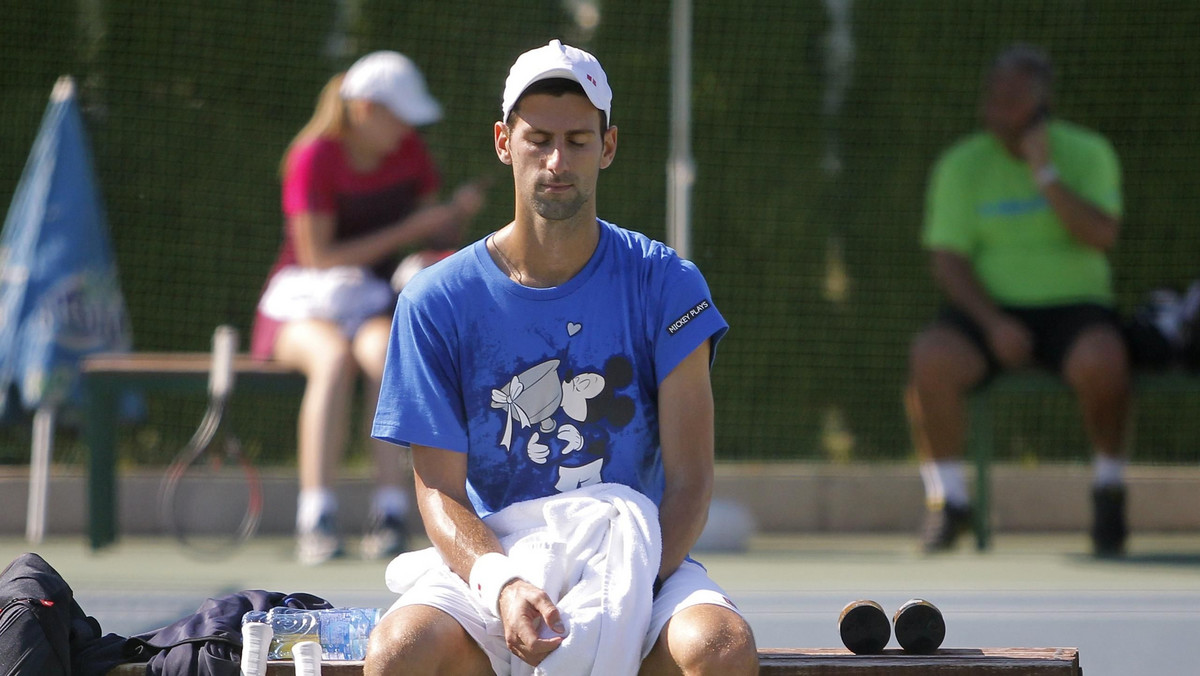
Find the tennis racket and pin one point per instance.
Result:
(211, 496)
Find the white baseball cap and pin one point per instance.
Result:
(393, 80)
(553, 61)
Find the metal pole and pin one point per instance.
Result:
(39, 473)
(681, 169)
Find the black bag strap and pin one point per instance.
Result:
(138, 647)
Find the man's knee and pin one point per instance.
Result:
(709, 639)
(1098, 358)
(422, 639)
(387, 646)
(942, 357)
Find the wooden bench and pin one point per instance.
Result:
(106, 377)
(834, 662)
(981, 433)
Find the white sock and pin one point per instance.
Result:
(311, 504)
(945, 483)
(1107, 471)
(389, 500)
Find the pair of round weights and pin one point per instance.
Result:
(865, 628)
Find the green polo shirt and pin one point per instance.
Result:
(983, 204)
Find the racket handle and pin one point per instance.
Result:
(306, 656)
(256, 639)
(220, 378)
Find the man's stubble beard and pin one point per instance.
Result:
(556, 210)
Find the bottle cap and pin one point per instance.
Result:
(254, 616)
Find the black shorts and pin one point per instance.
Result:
(1054, 330)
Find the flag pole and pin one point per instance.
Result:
(39, 472)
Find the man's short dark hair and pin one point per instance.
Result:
(555, 86)
(1028, 60)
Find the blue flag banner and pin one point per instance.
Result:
(60, 299)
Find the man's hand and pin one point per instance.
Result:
(1035, 147)
(1085, 221)
(530, 621)
(1010, 341)
(469, 198)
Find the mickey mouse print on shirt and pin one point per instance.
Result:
(557, 413)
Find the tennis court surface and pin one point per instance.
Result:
(1139, 615)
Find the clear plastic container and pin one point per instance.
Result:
(342, 632)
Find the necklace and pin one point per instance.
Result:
(511, 270)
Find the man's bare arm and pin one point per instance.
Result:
(686, 433)
(1010, 341)
(462, 537)
(1086, 222)
(451, 523)
(957, 281)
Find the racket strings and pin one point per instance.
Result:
(210, 450)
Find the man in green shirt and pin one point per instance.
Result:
(1019, 219)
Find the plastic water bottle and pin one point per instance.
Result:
(342, 632)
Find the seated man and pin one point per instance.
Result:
(557, 353)
(1019, 219)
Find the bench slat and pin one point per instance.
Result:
(947, 662)
(835, 662)
(168, 363)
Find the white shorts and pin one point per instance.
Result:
(688, 586)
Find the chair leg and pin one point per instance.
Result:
(980, 436)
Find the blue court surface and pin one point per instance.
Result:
(1138, 615)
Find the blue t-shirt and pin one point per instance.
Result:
(546, 390)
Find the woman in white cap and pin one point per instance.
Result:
(359, 188)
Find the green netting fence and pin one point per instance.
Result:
(815, 125)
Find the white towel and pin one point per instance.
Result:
(595, 551)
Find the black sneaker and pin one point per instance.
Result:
(387, 536)
(943, 525)
(1109, 529)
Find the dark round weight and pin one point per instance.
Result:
(864, 627)
(920, 627)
